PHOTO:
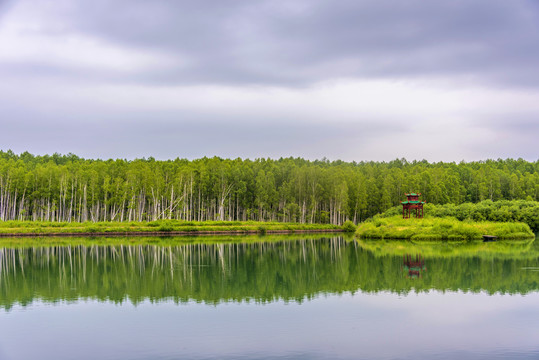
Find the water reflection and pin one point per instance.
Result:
(290, 270)
(413, 265)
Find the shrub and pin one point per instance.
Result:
(165, 227)
(349, 226)
(262, 230)
(92, 229)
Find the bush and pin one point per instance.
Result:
(92, 229)
(165, 227)
(349, 226)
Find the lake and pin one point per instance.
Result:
(272, 297)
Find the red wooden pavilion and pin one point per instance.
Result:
(412, 205)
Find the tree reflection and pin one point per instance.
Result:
(294, 270)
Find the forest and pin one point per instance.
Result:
(68, 188)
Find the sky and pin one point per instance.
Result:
(445, 80)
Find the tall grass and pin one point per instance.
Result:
(431, 228)
(502, 211)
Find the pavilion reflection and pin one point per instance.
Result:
(413, 265)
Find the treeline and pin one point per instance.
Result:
(487, 210)
(69, 188)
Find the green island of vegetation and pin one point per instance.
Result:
(432, 228)
(504, 219)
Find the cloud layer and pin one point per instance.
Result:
(347, 79)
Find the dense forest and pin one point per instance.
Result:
(68, 188)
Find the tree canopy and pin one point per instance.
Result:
(69, 188)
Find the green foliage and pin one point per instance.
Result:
(166, 228)
(29, 227)
(66, 188)
(92, 229)
(447, 228)
(349, 226)
(503, 211)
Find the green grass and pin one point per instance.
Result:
(447, 228)
(162, 226)
(499, 211)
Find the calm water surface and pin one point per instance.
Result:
(268, 298)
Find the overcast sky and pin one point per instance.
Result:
(443, 80)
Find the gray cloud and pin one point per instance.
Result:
(166, 135)
(5, 5)
(516, 125)
(512, 134)
(341, 79)
(296, 42)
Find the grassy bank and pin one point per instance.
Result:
(162, 227)
(447, 228)
(499, 211)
